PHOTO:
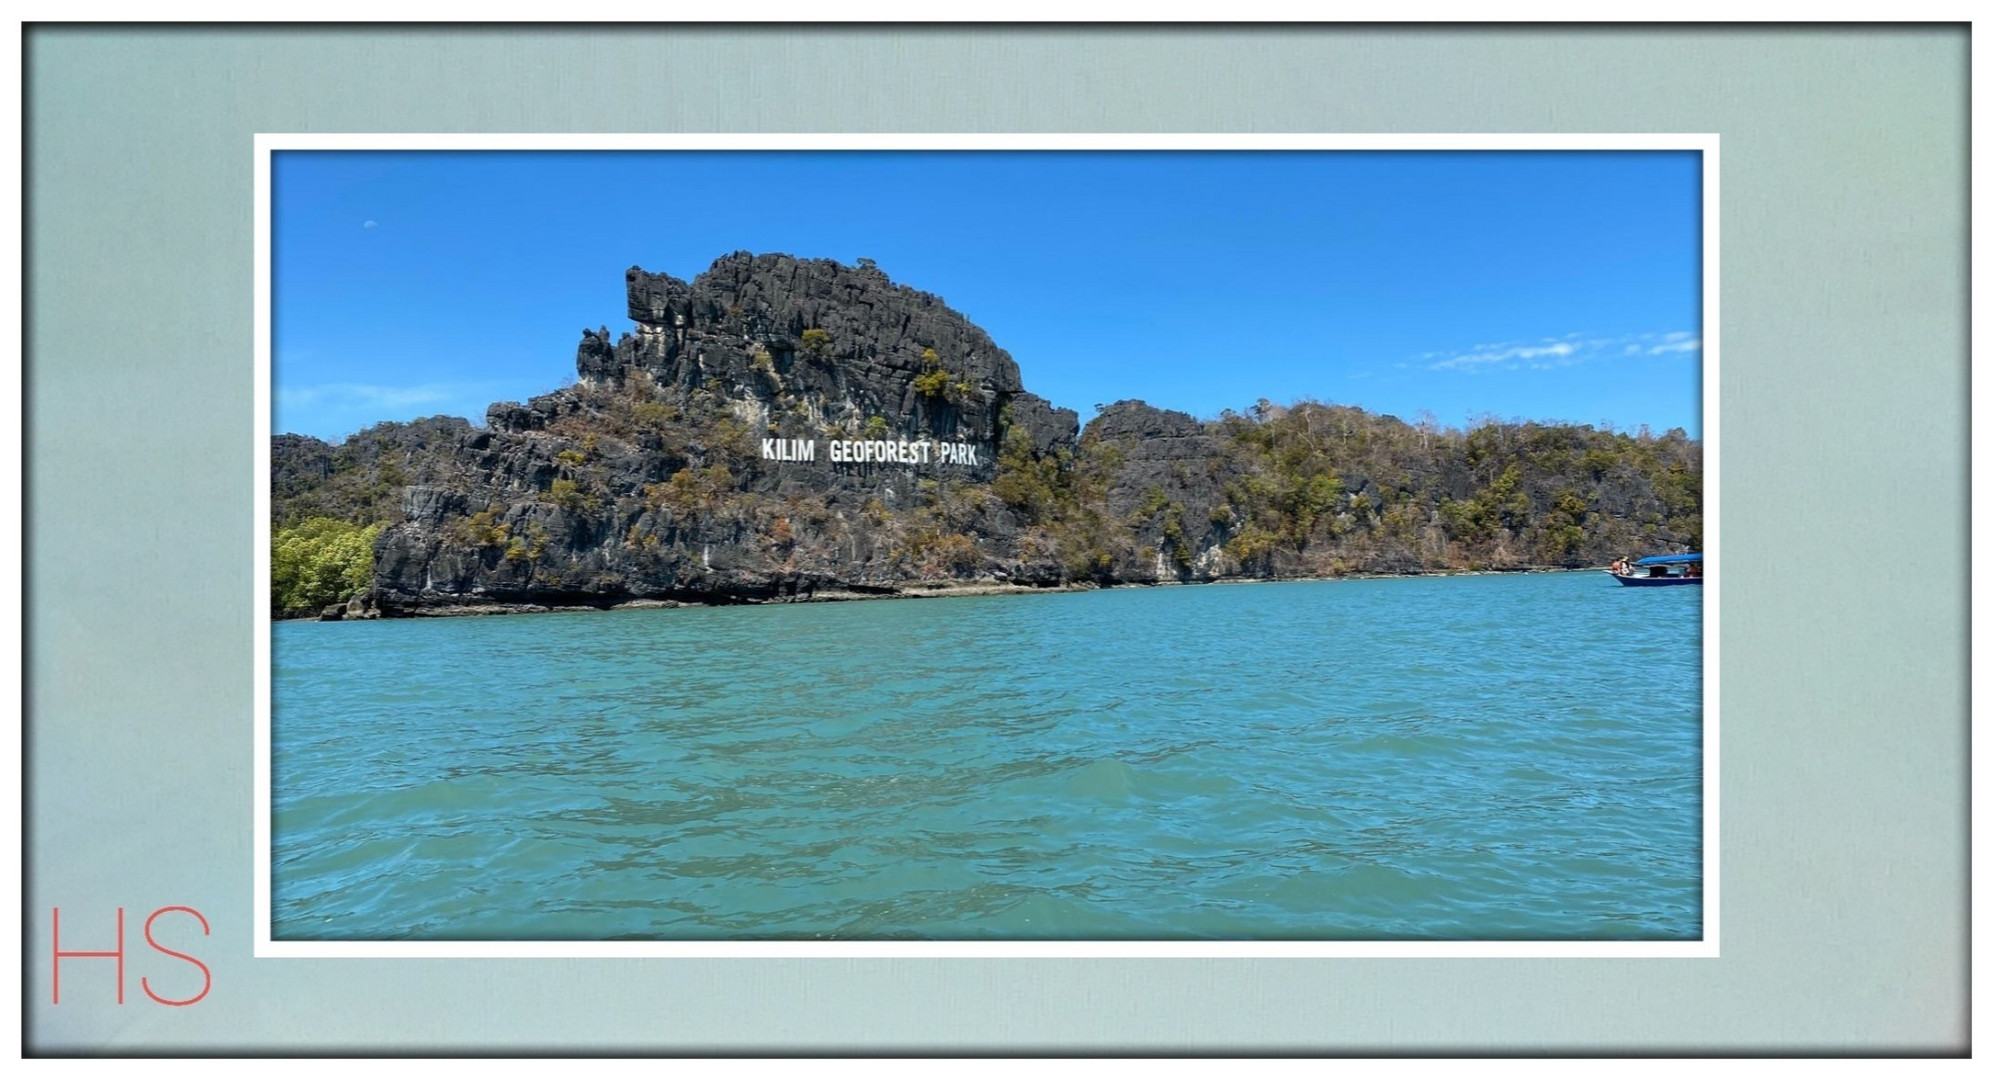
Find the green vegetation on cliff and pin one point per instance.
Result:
(320, 562)
(618, 487)
(1317, 488)
(754, 437)
(1314, 489)
(1062, 497)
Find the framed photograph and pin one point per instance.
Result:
(571, 541)
(978, 778)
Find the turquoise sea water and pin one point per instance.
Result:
(1462, 758)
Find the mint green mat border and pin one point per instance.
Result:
(1844, 427)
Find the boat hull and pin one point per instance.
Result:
(1630, 579)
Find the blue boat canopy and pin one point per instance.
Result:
(1667, 560)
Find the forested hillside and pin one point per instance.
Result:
(787, 429)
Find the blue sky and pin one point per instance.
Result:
(1544, 286)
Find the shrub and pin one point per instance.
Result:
(731, 436)
(935, 381)
(568, 496)
(1251, 546)
(942, 553)
(483, 529)
(653, 414)
(646, 541)
(320, 562)
(931, 384)
(691, 491)
(1466, 520)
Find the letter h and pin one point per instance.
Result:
(119, 954)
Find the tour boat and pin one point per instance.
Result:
(1662, 570)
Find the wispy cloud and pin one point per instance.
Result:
(333, 410)
(1679, 341)
(369, 395)
(1548, 353)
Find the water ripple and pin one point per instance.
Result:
(1468, 758)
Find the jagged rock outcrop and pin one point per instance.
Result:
(1049, 426)
(363, 476)
(781, 428)
(829, 344)
(608, 490)
(1168, 481)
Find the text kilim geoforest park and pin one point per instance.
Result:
(863, 451)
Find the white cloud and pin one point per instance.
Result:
(333, 410)
(342, 395)
(1548, 353)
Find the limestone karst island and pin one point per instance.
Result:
(789, 429)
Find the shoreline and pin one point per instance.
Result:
(924, 590)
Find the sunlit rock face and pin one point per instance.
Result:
(774, 427)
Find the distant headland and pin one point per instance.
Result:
(789, 429)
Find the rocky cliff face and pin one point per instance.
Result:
(784, 428)
(1169, 478)
(811, 345)
(773, 428)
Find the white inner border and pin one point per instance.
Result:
(1707, 144)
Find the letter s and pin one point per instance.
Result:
(207, 977)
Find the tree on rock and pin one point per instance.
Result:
(320, 562)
